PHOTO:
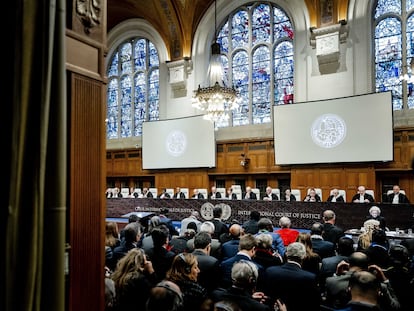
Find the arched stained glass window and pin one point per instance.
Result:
(394, 50)
(257, 48)
(133, 88)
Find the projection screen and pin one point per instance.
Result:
(178, 143)
(351, 129)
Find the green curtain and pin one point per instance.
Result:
(35, 176)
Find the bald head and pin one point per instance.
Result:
(235, 230)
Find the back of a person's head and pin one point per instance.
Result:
(247, 242)
(154, 222)
(317, 229)
(208, 227)
(265, 224)
(160, 235)
(380, 237)
(131, 232)
(371, 225)
(165, 296)
(255, 215)
(235, 231)
(358, 259)
(133, 218)
(244, 274)
(217, 212)
(345, 246)
(295, 251)
(365, 283)
(201, 240)
(284, 222)
(264, 241)
(328, 215)
(399, 255)
(191, 225)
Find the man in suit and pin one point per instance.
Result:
(293, 285)
(250, 195)
(269, 195)
(219, 226)
(178, 194)
(214, 194)
(164, 194)
(335, 196)
(396, 197)
(146, 193)
(331, 232)
(197, 194)
(319, 245)
(210, 272)
(244, 276)
(362, 197)
(251, 225)
(230, 194)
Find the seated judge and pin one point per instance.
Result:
(362, 197)
(288, 196)
(230, 194)
(312, 196)
(164, 194)
(269, 195)
(197, 194)
(214, 194)
(146, 193)
(178, 194)
(250, 195)
(397, 197)
(335, 196)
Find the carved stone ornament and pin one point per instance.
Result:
(178, 72)
(89, 12)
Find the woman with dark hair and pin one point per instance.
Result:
(312, 261)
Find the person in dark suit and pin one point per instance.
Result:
(319, 245)
(331, 232)
(288, 196)
(269, 195)
(251, 225)
(146, 193)
(197, 195)
(335, 197)
(397, 197)
(210, 272)
(362, 197)
(178, 194)
(219, 226)
(293, 285)
(164, 194)
(250, 195)
(214, 194)
(244, 276)
(230, 194)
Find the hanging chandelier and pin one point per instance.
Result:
(216, 101)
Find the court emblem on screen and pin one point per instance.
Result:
(176, 143)
(328, 131)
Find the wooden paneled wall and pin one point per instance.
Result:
(126, 165)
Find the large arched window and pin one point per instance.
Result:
(133, 88)
(257, 56)
(394, 50)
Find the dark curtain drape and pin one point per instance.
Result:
(34, 180)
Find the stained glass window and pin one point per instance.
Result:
(394, 51)
(133, 88)
(257, 46)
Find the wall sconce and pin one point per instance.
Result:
(244, 161)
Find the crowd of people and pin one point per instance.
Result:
(255, 265)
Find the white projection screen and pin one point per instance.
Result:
(351, 129)
(178, 143)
